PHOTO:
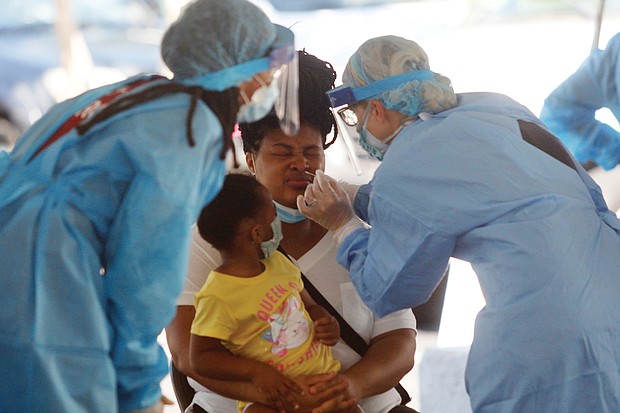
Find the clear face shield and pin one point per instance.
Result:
(280, 62)
(344, 97)
(286, 75)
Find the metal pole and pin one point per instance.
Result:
(76, 60)
(64, 28)
(599, 21)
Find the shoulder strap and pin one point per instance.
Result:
(98, 102)
(348, 334)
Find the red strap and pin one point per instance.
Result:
(94, 106)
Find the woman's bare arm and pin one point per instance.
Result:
(178, 337)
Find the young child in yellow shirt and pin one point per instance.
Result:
(254, 320)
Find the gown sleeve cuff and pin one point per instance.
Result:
(347, 229)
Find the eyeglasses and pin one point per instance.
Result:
(348, 116)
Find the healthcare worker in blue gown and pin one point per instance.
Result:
(570, 110)
(96, 205)
(477, 177)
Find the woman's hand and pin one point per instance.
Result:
(326, 393)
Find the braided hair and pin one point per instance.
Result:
(224, 105)
(315, 78)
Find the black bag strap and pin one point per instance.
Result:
(348, 334)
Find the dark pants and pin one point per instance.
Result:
(396, 409)
(402, 409)
(195, 409)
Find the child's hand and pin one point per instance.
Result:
(327, 330)
(277, 388)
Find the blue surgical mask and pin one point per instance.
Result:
(289, 215)
(269, 246)
(371, 144)
(259, 105)
(374, 146)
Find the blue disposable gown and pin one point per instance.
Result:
(544, 246)
(93, 246)
(569, 111)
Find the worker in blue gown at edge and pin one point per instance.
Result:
(476, 176)
(569, 110)
(97, 200)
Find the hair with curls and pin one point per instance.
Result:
(241, 197)
(315, 78)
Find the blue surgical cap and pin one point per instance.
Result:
(211, 35)
(388, 56)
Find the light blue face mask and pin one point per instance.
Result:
(371, 144)
(289, 215)
(269, 246)
(374, 146)
(260, 104)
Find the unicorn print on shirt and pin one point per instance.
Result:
(289, 327)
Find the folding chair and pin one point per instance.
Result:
(182, 390)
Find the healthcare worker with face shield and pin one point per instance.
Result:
(96, 204)
(476, 176)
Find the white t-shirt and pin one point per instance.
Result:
(320, 266)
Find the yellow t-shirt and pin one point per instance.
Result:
(263, 318)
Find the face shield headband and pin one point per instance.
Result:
(282, 60)
(345, 95)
